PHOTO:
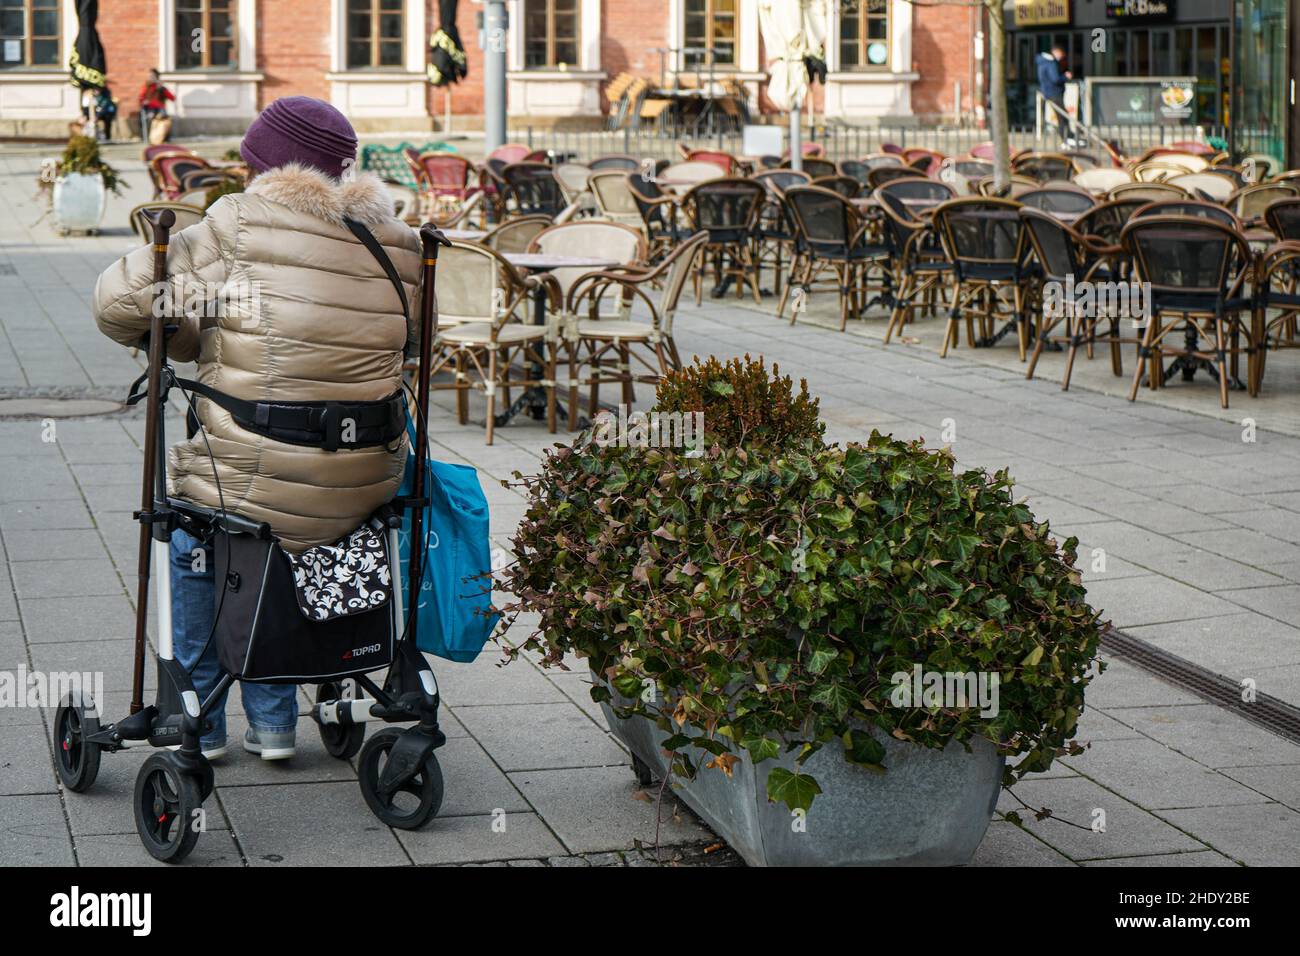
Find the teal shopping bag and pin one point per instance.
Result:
(454, 607)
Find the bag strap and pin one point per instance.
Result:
(370, 242)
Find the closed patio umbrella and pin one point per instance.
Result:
(87, 64)
(792, 31)
(446, 54)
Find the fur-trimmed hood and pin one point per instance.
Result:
(313, 193)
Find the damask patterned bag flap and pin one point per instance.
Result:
(349, 577)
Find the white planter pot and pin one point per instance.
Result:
(79, 202)
(930, 808)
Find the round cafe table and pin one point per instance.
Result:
(534, 399)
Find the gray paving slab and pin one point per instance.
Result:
(1210, 735)
(311, 824)
(55, 545)
(1280, 783)
(216, 848)
(1261, 835)
(32, 832)
(593, 809)
(541, 736)
(1078, 805)
(1006, 844)
(68, 578)
(479, 839)
(1194, 858)
(1151, 775)
(485, 682)
(77, 619)
(1130, 602)
(25, 761)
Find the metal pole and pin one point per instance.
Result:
(495, 23)
(796, 147)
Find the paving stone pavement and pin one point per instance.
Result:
(1190, 540)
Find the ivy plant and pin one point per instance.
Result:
(771, 588)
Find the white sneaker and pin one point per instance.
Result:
(270, 746)
(212, 753)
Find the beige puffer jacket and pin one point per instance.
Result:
(308, 315)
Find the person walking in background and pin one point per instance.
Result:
(105, 111)
(1051, 82)
(153, 102)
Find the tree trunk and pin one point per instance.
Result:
(998, 97)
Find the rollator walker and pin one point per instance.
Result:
(398, 771)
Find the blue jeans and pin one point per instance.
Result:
(271, 708)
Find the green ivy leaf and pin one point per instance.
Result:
(796, 790)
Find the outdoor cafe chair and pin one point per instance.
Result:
(1233, 174)
(985, 241)
(876, 160)
(1101, 180)
(589, 239)
(833, 234)
(574, 182)
(531, 190)
(1250, 202)
(728, 210)
(1283, 218)
(775, 235)
(724, 161)
(1277, 287)
(916, 255)
(1063, 199)
(614, 198)
(1084, 160)
(855, 169)
(443, 180)
(1158, 171)
(1069, 258)
(516, 234)
(814, 166)
(168, 170)
(846, 186)
(887, 174)
(658, 212)
(1044, 167)
(601, 350)
(614, 161)
(1197, 208)
(1198, 270)
(481, 340)
(1149, 191)
(1019, 185)
(1216, 188)
(924, 161)
(186, 215)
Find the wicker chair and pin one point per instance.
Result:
(592, 341)
(846, 186)
(517, 234)
(775, 236)
(1063, 200)
(480, 338)
(615, 200)
(916, 255)
(186, 215)
(833, 234)
(531, 190)
(1250, 202)
(1197, 269)
(727, 209)
(1045, 167)
(985, 241)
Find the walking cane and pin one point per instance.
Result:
(431, 238)
(153, 490)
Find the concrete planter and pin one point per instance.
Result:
(931, 808)
(79, 202)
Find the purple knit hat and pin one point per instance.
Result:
(299, 129)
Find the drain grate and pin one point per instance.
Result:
(1265, 711)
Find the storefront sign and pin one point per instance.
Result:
(1140, 11)
(1041, 13)
(1143, 102)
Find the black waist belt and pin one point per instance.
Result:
(327, 425)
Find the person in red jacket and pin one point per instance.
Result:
(153, 102)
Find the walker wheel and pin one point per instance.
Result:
(166, 804)
(76, 758)
(412, 804)
(340, 740)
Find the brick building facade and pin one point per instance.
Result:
(226, 59)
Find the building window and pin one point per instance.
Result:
(709, 33)
(864, 35)
(205, 34)
(29, 33)
(550, 33)
(376, 34)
